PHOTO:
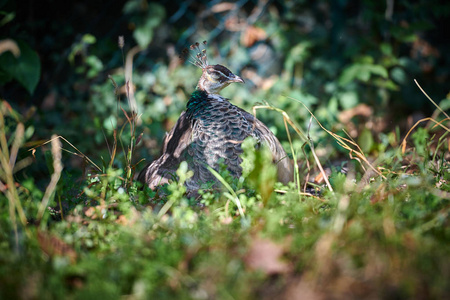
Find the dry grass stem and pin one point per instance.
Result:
(129, 77)
(302, 136)
(431, 100)
(80, 154)
(345, 143)
(9, 45)
(7, 162)
(403, 144)
(294, 156)
(57, 169)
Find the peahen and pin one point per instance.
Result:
(210, 132)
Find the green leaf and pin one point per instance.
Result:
(365, 60)
(338, 180)
(143, 36)
(399, 75)
(348, 75)
(362, 72)
(8, 17)
(95, 66)
(145, 27)
(388, 84)
(365, 140)
(348, 99)
(88, 39)
(26, 69)
(378, 70)
(132, 6)
(386, 49)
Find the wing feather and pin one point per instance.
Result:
(176, 141)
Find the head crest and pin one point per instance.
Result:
(199, 57)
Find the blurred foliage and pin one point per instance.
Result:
(24, 67)
(351, 63)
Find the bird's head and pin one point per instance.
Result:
(214, 77)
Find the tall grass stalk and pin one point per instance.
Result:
(57, 169)
(7, 161)
(345, 143)
(131, 117)
(234, 197)
(302, 135)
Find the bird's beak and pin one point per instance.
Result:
(236, 79)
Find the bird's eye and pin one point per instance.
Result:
(214, 75)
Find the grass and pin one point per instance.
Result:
(380, 231)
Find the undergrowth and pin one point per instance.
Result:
(378, 231)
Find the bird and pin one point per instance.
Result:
(210, 132)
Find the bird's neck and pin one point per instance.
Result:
(197, 102)
(209, 86)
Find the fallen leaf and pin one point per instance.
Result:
(359, 110)
(251, 35)
(54, 246)
(265, 255)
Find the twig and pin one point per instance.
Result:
(431, 100)
(81, 154)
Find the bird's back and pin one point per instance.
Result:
(218, 130)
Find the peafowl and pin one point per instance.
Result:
(210, 132)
